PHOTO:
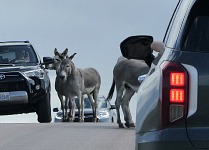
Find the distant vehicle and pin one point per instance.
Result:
(105, 111)
(24, 82)
(172, 108)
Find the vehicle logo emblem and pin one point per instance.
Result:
(2, 76)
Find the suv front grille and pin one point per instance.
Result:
(13, 82)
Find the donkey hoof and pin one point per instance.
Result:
(120, 125)
(132, 125)
(64, 120)
(127, 125)
(71, 119)
(81, 120)
(94, 119)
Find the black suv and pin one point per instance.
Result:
(173, 100)
(24, 82)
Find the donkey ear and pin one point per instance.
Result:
(56, 52)
(71, 57)
(65, 52)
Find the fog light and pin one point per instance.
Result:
(37, 87)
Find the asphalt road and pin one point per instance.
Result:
(65, 136)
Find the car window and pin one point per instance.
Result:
(198, 36)
(17, 54)
(102, 104)
(87, 103)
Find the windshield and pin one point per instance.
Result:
(17, 54)
(102, 103)
(87, 103)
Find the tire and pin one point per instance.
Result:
(43, 110)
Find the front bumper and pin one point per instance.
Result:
(21, 89)
(19, 93)
(15, 97)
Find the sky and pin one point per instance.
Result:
(93, 29)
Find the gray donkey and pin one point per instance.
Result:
(58, 57)
(77, 82)
(125, 78)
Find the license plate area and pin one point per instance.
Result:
(4, 96)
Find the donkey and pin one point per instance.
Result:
(58, 57)
(125, 78)
(77, 82)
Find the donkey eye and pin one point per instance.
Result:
(67, 66)
(57, 59)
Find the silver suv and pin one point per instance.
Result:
(173, 100)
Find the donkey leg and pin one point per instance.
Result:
(93, 107)
(71, 115)
(73, 109)
(125, 107)
(95, 96)
(118, 103)
(80, 106)
(66, 109)
(82, 109)
(62, 107)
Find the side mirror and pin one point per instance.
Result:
(137, 47)
(113, 107)
(48, 60)
(55, 109)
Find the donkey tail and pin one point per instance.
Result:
(110, 94)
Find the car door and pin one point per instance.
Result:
(197, 42)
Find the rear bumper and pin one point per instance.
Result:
(168, 139)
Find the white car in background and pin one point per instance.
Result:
(105, 111)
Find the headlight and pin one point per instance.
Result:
(35, 73)
(103, 114)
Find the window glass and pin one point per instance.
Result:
(197, 38)
(17, 54)
(87, 103)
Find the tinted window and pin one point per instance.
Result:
(17, 54)
(87, 103)
(102, 104)
(197, 33)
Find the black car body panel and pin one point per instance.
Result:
(186, 45)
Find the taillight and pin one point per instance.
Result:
(174, 93)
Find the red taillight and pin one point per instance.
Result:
(177, 79)
(174, 93)
(177, 95)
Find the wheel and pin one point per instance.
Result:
(43, 109)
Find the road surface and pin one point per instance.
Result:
(65, 136)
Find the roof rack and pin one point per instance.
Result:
(15, 42)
